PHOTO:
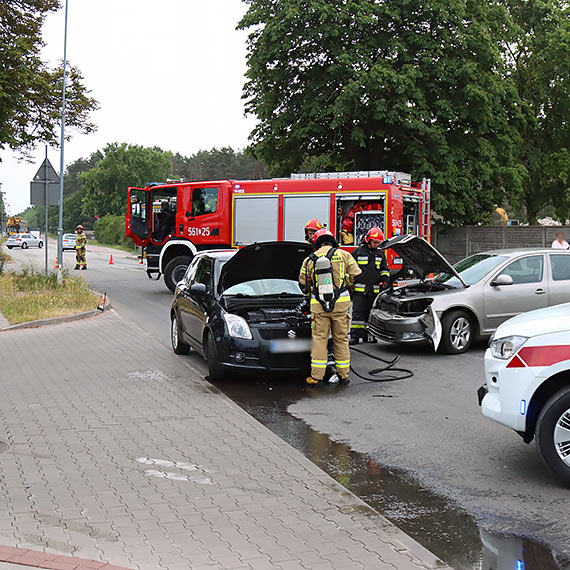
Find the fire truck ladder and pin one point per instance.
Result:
(397, 177)
(425, 228)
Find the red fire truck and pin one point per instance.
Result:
(173, 221)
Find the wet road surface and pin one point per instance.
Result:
(417, 450)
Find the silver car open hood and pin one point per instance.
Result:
(420, 256)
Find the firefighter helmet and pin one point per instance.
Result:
(375, 234)
(323, 237)
(312, 225)
(79, 227)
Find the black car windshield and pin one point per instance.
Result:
(472, 269)
(265, 287)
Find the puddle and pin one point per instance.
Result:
(435, 522)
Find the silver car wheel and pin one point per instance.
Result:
(174, 332)
(562, 437)
(460, 333)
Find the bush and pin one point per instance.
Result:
(110, 230)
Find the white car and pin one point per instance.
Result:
(527, 372)
(24, 241)
(69, 241)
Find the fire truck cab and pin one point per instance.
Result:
(173, 221)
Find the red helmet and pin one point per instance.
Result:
(79, 227)
(374, 233)
(322, 237)
(314, 224)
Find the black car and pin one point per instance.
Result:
(244, 310)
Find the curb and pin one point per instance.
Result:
(38, 559)
(63, 319)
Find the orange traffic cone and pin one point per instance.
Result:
(111, 260)
(140, 260)
(56, 263)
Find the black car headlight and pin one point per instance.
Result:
(237, 327)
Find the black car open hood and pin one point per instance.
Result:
(420, 256)
(267, 260)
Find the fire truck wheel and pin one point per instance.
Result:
(553, 434)
(175, 270)
(457, 332)
(215, 371)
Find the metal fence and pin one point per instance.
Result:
(457, 243)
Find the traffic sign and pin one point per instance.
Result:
(52, 175)
(45, 176)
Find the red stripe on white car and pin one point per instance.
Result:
(543, 355)
(516, 362)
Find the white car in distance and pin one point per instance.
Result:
(527, 372)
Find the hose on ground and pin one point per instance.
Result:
(387, 373)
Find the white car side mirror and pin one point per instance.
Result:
(502, 280)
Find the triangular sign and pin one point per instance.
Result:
(52, 175)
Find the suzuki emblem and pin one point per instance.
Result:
(291, 334)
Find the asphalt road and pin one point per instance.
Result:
(430, 426)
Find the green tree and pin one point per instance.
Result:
(538, 62)
(122, 166)
(218, 164)
(412, 86)
(30, 92)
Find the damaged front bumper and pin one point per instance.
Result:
(392, 327)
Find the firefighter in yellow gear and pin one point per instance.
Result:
(311, 228)
(80, 245)
(328, 273)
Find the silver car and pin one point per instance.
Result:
(69, 241)
(24, 241)
(467, 300)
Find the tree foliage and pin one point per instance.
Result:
(412, 86)
(30, 92)
(122, 166)
(538, 62)
(218, 164)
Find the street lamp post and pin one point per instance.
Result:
(61, 162)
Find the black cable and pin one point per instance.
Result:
(374, 374)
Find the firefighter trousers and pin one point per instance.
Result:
(361, 307)
(337, 323)
(80, 259)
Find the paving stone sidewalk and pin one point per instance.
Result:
(119, 451)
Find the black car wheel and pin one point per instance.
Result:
(553, 434)
(175, 270)
(214, 369)
(24, 245)
(178, 346)
(457, 332)
(41, 244)
(9, 246)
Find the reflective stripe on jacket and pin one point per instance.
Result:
(374, 267)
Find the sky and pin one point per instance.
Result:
(167, 74)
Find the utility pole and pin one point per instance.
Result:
(2, 212)
(62, 162)
(46, 182)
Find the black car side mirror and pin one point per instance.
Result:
(198, 288)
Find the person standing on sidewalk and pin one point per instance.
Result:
(80, 245)
(328, 273)
(375, 275)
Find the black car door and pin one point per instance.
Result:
(198, 296)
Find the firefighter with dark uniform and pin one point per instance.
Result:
(311, 228)
(327, 274)
(375, 275)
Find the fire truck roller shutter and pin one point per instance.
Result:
(297, 209)
(256, 219)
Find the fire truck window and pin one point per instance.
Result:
(163, 214)
(138, 204)
(204, 201)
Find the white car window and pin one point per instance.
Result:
(525, 270)
(560, 267)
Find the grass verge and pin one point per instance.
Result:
(30, 295)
